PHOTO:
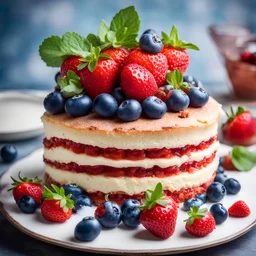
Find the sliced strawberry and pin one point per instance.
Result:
(239, 209)
(70, 63)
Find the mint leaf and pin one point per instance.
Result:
(111, 36)
(128, 18)
(103, 30)
(94, 40)
(121, 34)
(243, 159)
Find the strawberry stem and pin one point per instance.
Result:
(195, 213)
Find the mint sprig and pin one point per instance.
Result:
(70, 84)
(123, 30)
(195, 213)
(153, 197)
(174, 40)
(175, 78)
(58, 194)
(243, 159)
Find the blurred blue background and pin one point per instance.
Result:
(25, 23)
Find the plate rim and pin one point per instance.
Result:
(89, 249)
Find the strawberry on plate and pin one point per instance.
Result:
(240, 127)
(200, 222)
(70, 63)
(175, 50)
(137, 82)
(159, 213)
(57, 207)
(239, 209)
(155, 63)
(26, 187)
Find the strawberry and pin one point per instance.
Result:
(100, 80)
(227, 163)
(155, 63)
(118, 55)
(70, 63)
(240, 127)
(246, 56)
(56, 207)
(26, 186)
(200, 222)
(239, 209)
(137, 82)
(175, 51)
(163, 93)
(159, 213)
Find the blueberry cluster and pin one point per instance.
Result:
(221, 186)
(8, 153)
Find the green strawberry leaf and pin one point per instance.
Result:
(174, 41)
(233, 114)
(195, 213)
(243, 159)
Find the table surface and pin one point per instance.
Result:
(14, 243)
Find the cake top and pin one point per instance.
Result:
(191, 117)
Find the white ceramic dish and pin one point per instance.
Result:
(122, 240)
(20, 113)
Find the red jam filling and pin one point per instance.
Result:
(138, 172)
(120, 154)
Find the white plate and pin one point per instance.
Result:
(121, 239)
(20, 113)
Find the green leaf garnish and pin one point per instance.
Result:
(174, 41)
(243, 159)
(175, 78)
(58, 194)
(16, 183)
(70, 84)
(153, 198)
(195, 213)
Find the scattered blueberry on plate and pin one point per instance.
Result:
(54, 103)
(88, 229)
(129, 203)
(216, 192)
(108, 214)
(232, 186)
(129, 110)
(219, 213)
(81, 202)
(154, 107)
(202, 197)
(191, 202)
(27, 204)
(221, 177)
(220, 169)
(74, 190)
(9, 153)
(131, 217)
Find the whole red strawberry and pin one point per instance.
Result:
(118, 55)
(102, 79)
(200, 222)
(239, 209)
(227, 163)
(175, 51)
(26, 186)
(159, 213)
(155, 63)
(70, 63)
(240, 127)
(56, 207)
(246, 56)
(137, 82)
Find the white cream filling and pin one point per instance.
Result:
(137, 140)
(93, 183)
(63, 155)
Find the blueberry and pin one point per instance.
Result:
(202, 197)
(232, 186)
(220, 169)
(54, 103)
(189, 203)
(105, 105)
(198, 97)
(149, 31)
(129, 110)
(27, 204)
(56, 77)
(79, 105)
(221, 160)
(74, 190)
(88, 229)
(219, 213)
(154, 107)
(191, 80)
(82, 201)
(221, 178)
(216, 192)
(9, 153)
(131, 217)
(129, 203)
(108, 214)
(150, 43)
(168, 87)
(178, 101)
(118, 94)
